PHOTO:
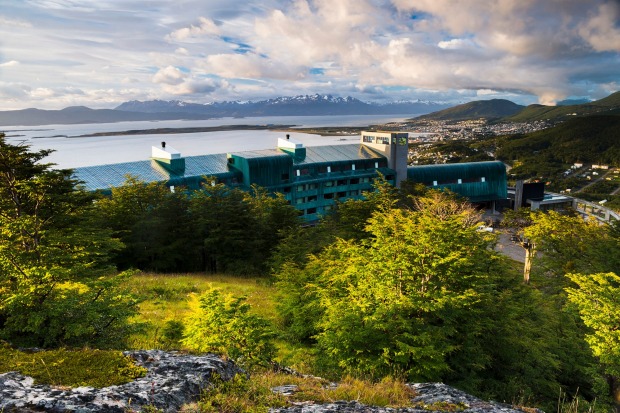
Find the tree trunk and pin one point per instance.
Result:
(529, 255)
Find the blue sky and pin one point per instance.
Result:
(100, 53)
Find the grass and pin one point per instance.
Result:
(166, 299)
(241, 395)
(72, 368)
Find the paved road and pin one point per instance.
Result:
(509, 248)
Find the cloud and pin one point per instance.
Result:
(170, 76)
(205, 27)
(9, 63)
(601, 30)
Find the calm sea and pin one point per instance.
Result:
(71, 152)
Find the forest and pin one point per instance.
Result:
(399, 286)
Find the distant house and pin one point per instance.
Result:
(600, 166)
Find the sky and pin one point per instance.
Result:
(100, 53)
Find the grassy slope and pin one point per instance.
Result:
(608, 105)
(168, 296)
(488, 109)
(593, 139)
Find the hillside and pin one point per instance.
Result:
(487, 109)
(610, 104)
(592, 139)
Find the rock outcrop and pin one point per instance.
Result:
(436, 397)
(175, 379)
(171, 381)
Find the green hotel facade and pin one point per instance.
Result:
(312, 179)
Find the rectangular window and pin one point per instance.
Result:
(328, 183)
(368, 139)
(328, 196)
(305, 171)
(459, 181)
(385, 141)
(297, 172)
(285, 177)
(341, 194)
(311, 211)
(312, 198)
(300, 188)
(353, 167)
(299, 201)
(483, 179)
(434, 183)
(354, 181)
(341, 182)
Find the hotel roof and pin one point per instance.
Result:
(105, 177)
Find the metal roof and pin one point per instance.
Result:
(114, 175)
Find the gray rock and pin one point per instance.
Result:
(430, 397)
(172, 380)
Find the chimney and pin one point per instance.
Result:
(163, 144)
(287, 136)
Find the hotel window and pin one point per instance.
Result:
(354, 181)
(300, 188)
(312, 198)
(368, 139)
(341, 182)
(328, 196)
(299, 201)
(459, 181)
(311, 211)
(341, 194)
(328, 183)
(434, 183)
(385, 141)
(483, 179)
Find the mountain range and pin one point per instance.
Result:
(502, 110)
(303, 105)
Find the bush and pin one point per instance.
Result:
(223, 324)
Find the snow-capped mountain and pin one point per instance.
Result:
(283, 106)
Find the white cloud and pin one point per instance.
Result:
(9, 63)
(170, 76)
(205, 27)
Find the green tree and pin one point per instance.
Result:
(390, 301)
(56, 283)
(597, 297)
(154, 225)
(224, 227)
(224, 324)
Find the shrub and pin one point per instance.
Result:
(223, 324)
